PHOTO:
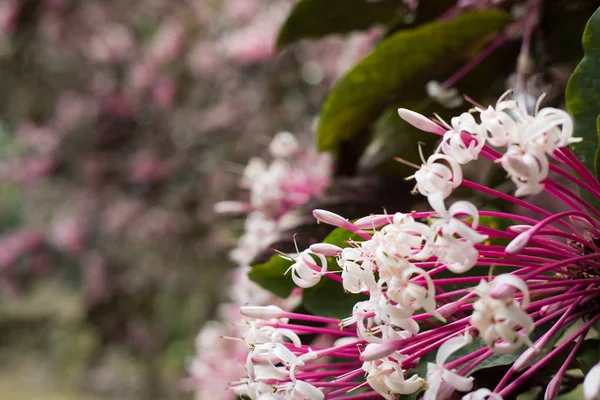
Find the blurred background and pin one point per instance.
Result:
(121, 123)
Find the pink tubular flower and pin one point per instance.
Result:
(420, 308)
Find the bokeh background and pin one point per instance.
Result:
(121, 123)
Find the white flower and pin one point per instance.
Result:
(526, 168)
(453, 143)
(300, 390)
(551, 129)
(357, 277)
(482, 394)
(449, 98)
(283, 145)
(305, 271)
(498, 127)
(497, 315)
(262, 360)
(254, 170)
(435, 177)
(252, 389)
(449, 225)
(410, 296)
(387, 379)
(441, 381)
(457, 255)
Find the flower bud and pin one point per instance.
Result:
(266, 312)
(375, 351)
(326, 249)
(553, 387)
(518, 243)
(591, 384)
(332, 219)
(526, 359)
(518, 228)
(420, 122)
(448, 309)
(373, 221)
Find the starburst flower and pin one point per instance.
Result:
(450, 290)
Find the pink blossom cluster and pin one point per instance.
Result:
(292, 177)
(429, 283)
(132, 95)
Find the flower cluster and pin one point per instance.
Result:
(293, 176)
(419, 309)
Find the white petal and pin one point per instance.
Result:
(450, 346)
(308, 391)
(460, 383)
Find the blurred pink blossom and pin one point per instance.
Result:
(163, 93)
(68, 233)
(113, 43)
(9, 14)
(145, 168)
(16, 244)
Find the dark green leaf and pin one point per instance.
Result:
(271, 276)
(328, 299)
(531, 394)
(583, 94)
(597, 158)
(588, 354)
(398, 61)
(341, 237)
(317, 18)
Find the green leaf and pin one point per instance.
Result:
(531, 394)
(575, 394)
(317, 18)
(341, 237)
(588, 354)
(597, 158)
(583, 94)
(328, 299)
(409, 57)
(271, 276)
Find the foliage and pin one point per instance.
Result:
(400, 60)
(583, 94)
(313, 19)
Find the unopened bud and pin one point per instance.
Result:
(331, 218)
(519, 228)
(585, 224)
(526, 359)
(373, 221)
(549, 309)
(591, 384)
(448, 309)
(553, 387)
(266, 312)
(376, 351)
(326, 249)
(420, 122)
(518, 243)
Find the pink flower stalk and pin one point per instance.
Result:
(427, 325)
